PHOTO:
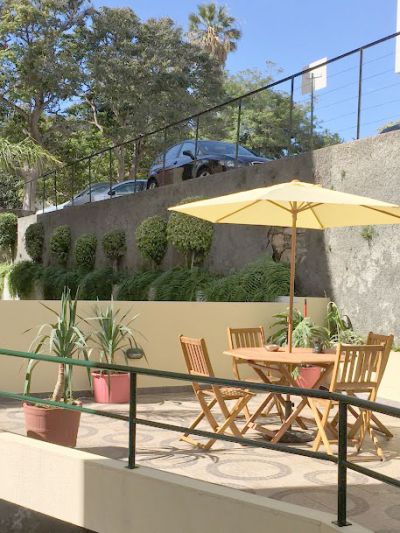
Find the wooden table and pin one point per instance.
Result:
(262, 360)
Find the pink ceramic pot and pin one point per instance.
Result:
(52, 424)
(111, 388)
(308, 377)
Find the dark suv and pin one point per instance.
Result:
(182, 163)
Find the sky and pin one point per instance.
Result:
(293, 33)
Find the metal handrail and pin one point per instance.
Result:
(343, 401)
(238, 99)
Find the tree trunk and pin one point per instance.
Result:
(30, 176)
(133, 171)
(120, 155)
(58, 393)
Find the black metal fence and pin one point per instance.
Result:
(361, 97)
(133, 420)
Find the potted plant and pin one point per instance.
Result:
(112, 336)
(305, 335)
(63, 338)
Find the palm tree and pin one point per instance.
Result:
(214, 30)
(28, 159)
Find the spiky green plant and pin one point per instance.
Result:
(113, 333)
(340, 326)
(305, 332)
(63, 338)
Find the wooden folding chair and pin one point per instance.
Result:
(198, 363)
(254, 338)
(357, 369)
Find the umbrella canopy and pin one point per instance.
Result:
(297, 205)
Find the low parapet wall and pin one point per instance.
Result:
(104, 496)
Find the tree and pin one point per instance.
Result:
(38, 71)
(214, 30)
(139, 76)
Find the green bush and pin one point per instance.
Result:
(60, 244)
(85, 251)
(8, 233)
(261, 281)
(4, 271)
(191, 236)
(182, 284)
(34, 241)
(114, 245)
(55, 279)
(98, 285)
(22, 278)
(151, 239)
(136, 287)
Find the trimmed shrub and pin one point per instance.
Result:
(151, 239)
(55, 279)
(182, 284)
(114, 245)
(60, 244)
(8, 233)
(22, 278)
(261, 281)
(191, 236)
(4, 271)
(85, 251)
(136, 287)
(98, 285)
(34, 241)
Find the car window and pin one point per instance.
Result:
(125, 188)
(172, 153)
(190, 146)
(222, 148)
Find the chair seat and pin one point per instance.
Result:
(229, 393)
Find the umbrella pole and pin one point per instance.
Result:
(292, 276)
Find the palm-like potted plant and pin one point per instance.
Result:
(113, 337)
(62, 338)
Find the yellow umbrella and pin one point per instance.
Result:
(297, 205)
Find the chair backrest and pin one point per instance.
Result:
(196, 356)
(244, 338)
(357, 368)
(382, 340)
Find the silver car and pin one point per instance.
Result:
(120, 189)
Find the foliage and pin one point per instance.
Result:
(8, 233)
(214, 31)
(114, 245)
(4, 272)
(263, 280)
(191, 236)
(10, 191)
(112, 333)
(34, 241)
(368, 233)
(151, 239)
(305, 332)
(182, 284)
(60, 244)
(98, 285)
(54, 280)
(85, 251)
(340, 327)
(63, 338)
(136, 287)
(22, 278)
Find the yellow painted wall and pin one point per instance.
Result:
(159, 324)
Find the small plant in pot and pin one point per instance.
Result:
(113, 337)
(63, 338)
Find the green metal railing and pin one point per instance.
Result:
(133, 420)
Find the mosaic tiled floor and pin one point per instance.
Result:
(307, 482)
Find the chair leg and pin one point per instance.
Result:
(379, 426)
(258, 412)
(321, 423)
(186, 436)
(289, 421)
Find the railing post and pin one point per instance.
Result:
(90, 178)
(291, 115)
(43, 192)
(132, 422)
(110, 169)
(239, 118)
(342, 468)
(360, 76)
(196, 141)
(72, 183)
(55, 188)
(312, 113)
(164, 152)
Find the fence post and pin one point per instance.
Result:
(360, 75)
(110, 170)
(43, 192)
(196, 141)
(342, 468)
(90, 178)
(55, 188)
(72, 183)
(239, 118)
(291, 115)
(132, 422)
(312, 113)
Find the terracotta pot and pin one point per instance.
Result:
(111, 388)
(308, 377)
(52, 424)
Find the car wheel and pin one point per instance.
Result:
(202, 172)
(152, 183)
